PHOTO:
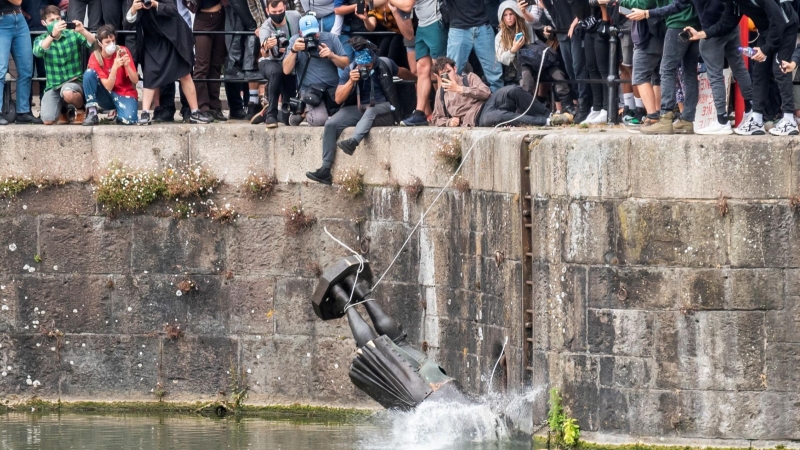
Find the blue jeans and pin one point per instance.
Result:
(461, 42)
(97, 94)
(15, 39)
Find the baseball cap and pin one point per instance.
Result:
(308, 25)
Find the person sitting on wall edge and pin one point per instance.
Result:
(110, 81)
(464, 100)
(376, 103)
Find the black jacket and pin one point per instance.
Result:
(708, 11)
(769, 16)
(170, 25)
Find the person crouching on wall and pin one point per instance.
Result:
(60, 49)
(111, 80)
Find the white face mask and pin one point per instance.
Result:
(111, 48)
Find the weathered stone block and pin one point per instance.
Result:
(329, 377)
(694, 167)
(249, 206)
(252, 150)
(198, 366)
(764, 235)
(71, 303)
(658, 413)
(628, 288)
(154, 147)
(110, 366)
(69, 199)
(613, 411)
(783, 359)
(577, 377)
(703, 289)
(402, 301)
(280, 366)
(507, 160)
(8, 304)
(664, 233)
(627, 373)
(188, 246)
(756, 289)
(620, 332)
(293, 312)
(590, 234)
(567, 308)
(18, 243)
(56, 153)
(34, 355)
(479, 166)
(784, 325)
(325, 203)
(85, 244)
(251, 304)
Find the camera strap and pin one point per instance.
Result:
(302, 74)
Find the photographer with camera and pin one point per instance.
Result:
(60, 49)
(110, 81)
(316, 58)
(274, 34)
(372, 79)
(164, 49)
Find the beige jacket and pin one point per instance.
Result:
(465, 105)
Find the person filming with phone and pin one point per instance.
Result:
(315, 57)
(60, 48)
(275, 33)
(110, 81)
(164, 48)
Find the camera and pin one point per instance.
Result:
(280, 36)
(363, 73)
(312, 45)
(296, 106)
(147, 3)
(70, 26)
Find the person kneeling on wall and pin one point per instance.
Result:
(467, 102)
(376, 103)
(111, 80)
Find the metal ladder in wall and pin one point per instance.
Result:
(526, 215)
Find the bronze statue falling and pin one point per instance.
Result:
(386, 366)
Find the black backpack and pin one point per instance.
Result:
(9, 106)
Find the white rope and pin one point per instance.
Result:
(358, 272)
(502, 352)
(458, 169)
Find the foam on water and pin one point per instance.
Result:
(435, 425)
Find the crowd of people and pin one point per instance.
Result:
(472, 63)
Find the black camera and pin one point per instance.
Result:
(363, 73)
(280, 36)
(147, 3)
(312, 45)
(296, 106)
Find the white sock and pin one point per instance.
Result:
(547, 124)
(253, 95)
(758, 117)
(789, 117)
(628, 99)
(638, 102)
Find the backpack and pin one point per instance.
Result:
(9, 106)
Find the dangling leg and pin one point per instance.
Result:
(383, 323)
(362, 332)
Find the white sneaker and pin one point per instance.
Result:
(590, 117)
(749, 127)
(785, 128)
(601, 117)
(716, 128)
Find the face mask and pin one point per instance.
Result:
(111, 48)
(277, 18)
(50, 26)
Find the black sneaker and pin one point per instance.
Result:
(28, 118)
(218, 115)
(252, 110)
(186, 113)
(580, 116)
(348, 146)
(416, 119)
(144, 118)
(321, 175)
(271, 121)
(261, 116)
(237, 114)
(640, 114)
(199, 117)
(162, 114)
(91, 119)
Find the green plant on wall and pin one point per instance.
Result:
(565, 429)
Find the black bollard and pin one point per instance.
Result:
(613, 74)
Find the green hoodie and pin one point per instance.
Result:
(686, 18)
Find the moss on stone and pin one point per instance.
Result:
(540, 442)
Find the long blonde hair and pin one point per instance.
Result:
(507, 34)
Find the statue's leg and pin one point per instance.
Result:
(383, 323)
(362, 332)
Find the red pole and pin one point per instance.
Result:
(744, 34)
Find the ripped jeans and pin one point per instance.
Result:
(97, 95)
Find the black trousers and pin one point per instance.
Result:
(595, 49)
(509, 102)
(278, 85)
(77, 11)
(166, 98)
(763, 71)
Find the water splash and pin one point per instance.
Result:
(435, 425)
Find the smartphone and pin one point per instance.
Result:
(360, 7)
(685, 35)
(519, 36)
(70, 26)
(445, 77)
(624, 11)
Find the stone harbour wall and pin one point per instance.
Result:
(109, 285)
(667, 286)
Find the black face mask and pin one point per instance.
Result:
(277, 18)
